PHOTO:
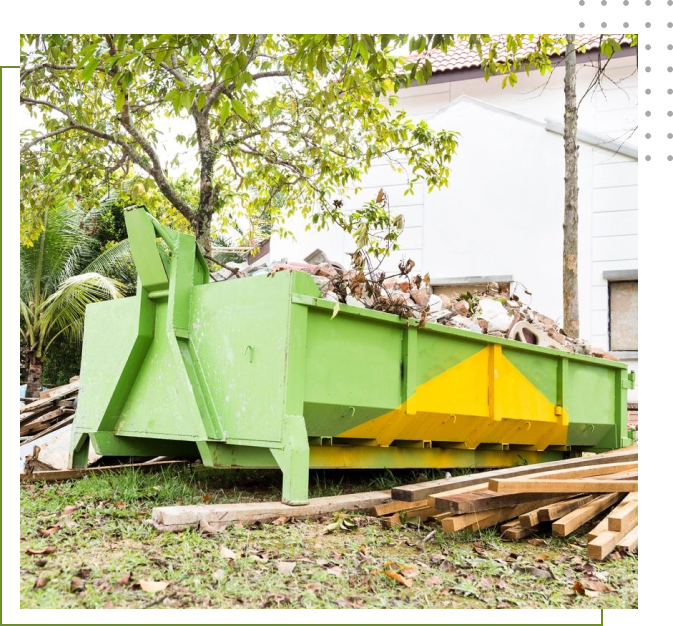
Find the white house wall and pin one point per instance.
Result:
(503, 211)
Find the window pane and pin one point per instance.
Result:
(641, 315)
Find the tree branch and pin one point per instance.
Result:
(41, 138)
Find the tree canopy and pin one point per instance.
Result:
(292, 116)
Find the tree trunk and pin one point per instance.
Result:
(34, 366)
(201, 225)
(571, 321)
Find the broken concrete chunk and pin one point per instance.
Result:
(322, 283)
(421, 297)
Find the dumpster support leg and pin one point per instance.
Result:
(293, 459)
(79, 451)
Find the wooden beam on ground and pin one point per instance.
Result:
(420, 491)
(602, 526)
(480, 501)
(624, 513)
(56, 475)
(564, 526)
(484, 519)
(558, 510)
(517, 532)
(607, 541)
(219, 515)
(574, 485)
(508, 485)
(630, 540)
(395, 506)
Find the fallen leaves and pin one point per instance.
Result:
(46, 550)
(279, 521)
(398, 577)
(341, 522)
(152, 586)
(207, 528)
(590, 588)
(286, 567)
(125, 579)
(218, 574)
(76, 584)
(70, 509)
(227, 553)
(45, 532)
(40, 582)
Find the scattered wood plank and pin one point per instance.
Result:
(61, 393)
(57, 475)
(420, 491)
(219, 515)
(624, 513)
(547, 479)
(40, 423)
(517, 532)
(63, 422)
(559, 509)
(395, 506)
(607, 541)
(575, 485)
(484, 519)
(630, 540)
(600, 527)
(564, 526)
(480, 501)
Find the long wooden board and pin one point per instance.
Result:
(56, 475)
(624, 513)
(480, 501)
(558, 510)
(585, 472)
(572, 521)
(607, 541)
(490, 518)
(420, 491)
(574, 485)
(629, 541)
(602, 526)
(222, 514)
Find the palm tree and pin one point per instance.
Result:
(61, 273)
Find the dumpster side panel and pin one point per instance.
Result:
(353, 369)
(110, 332)
(240, 331)
(160, 402)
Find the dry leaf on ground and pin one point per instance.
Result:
(152, 586)
(227, 553)
(285, 567)
(398, 577)
(47, 550)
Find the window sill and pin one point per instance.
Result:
(643, 355)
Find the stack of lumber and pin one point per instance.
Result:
(559, 497)
(53, 410)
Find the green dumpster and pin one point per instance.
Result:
(263, 373)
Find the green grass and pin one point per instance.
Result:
(106, 539)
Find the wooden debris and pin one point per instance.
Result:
(219, 515)
(480, 501)
(57, 475)
(629, 541)
(564, 526)
(420, 491)
(559, 509)
(490, 518)
(580, 485)
(624, 513)
(606, 542)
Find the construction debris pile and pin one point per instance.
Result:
(496, 310)
(53, 410)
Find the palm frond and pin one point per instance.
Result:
(63, 311)
(115, 262)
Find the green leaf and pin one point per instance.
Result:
(89, 69)
(119, 100)
(239, 109)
